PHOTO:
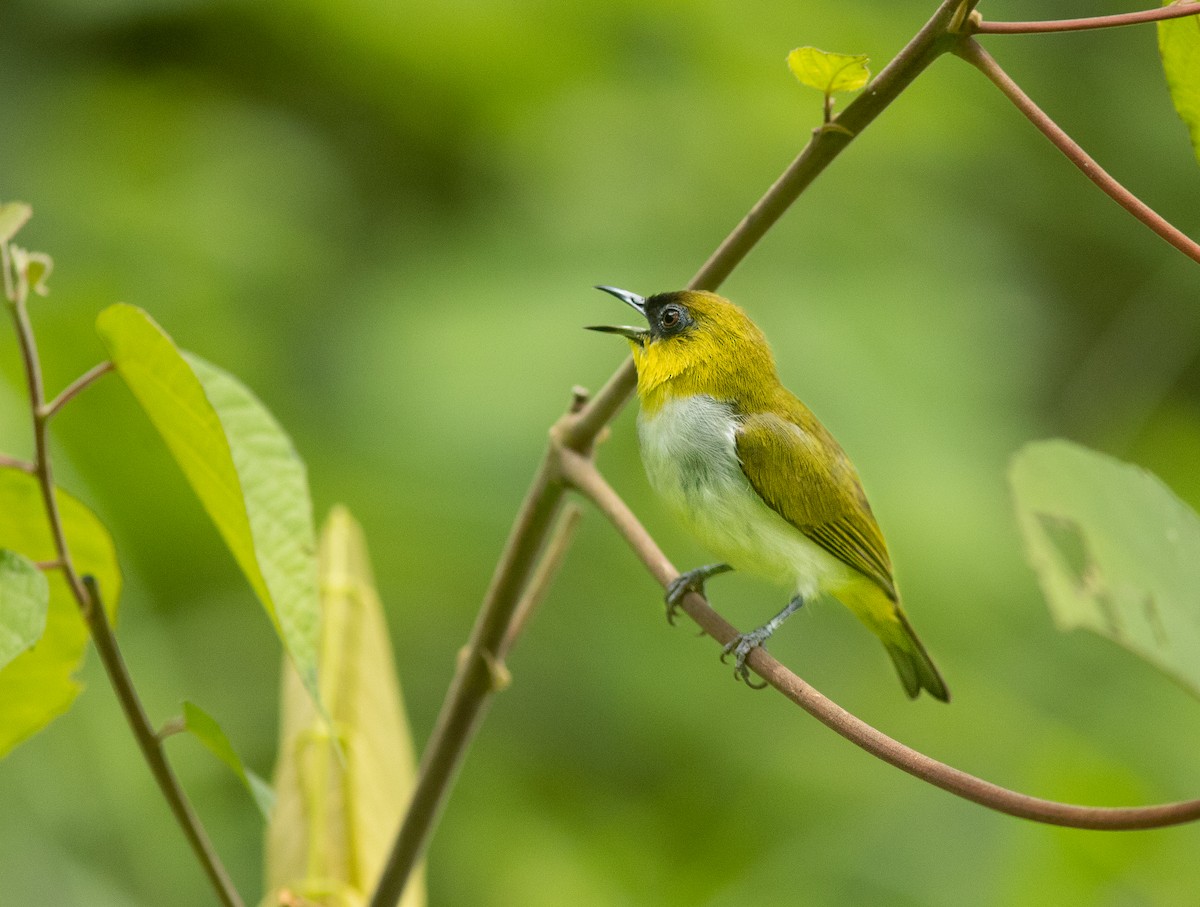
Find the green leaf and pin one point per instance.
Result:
(1115, 552)
(13, 216)
(37, 686)
(24, 598)
(828, 72)
(335, 816)
(204, 728)
(1179, 46)
(240, 464)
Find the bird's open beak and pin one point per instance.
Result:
(637, 335)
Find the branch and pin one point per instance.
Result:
(539, 585)
(974, 54)
(88, 597)
(935, 38)
(578, 431)
(474, 681)
(1174, 11)
(7, 462)
(583, 476)
(73, 389)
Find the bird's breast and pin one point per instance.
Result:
(689, 448)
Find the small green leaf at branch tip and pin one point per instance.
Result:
(1179, 47)
(204, 728)
(24, 600)
(827, 72)
(13, 216)
(1115, 552)
(241, 465)
(39, 684)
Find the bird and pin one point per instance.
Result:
(754, 475)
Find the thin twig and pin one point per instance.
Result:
(88, 597)
(7, 462)
(543, 577)
(582, 475)
(935, 38)
(473, 682)
(973, 53)
(1175, 11)
(75, 387)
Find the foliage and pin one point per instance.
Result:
(39, 685)
(1179, 45)
(1116, 552)
(383, 265)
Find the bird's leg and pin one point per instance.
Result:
(692, 581)
(741, 644)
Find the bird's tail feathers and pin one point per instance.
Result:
(887, 620)
(913, 664)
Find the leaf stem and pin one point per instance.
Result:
(7, 462)
(1173, 11)
(973, 53)
(88, 597)
(581, 474)
(78, 385)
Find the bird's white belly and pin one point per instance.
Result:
(689, 450)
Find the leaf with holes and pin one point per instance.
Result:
(1115, 552)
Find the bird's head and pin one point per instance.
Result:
(695, 342)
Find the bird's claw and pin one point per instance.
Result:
(692, 581)
(741, 646)
(677, 589)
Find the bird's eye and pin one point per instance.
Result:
(671, 317)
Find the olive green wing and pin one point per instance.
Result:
(801, 473)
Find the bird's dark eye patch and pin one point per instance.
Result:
(671, 318)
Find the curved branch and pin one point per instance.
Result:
(582, 475)
(974, 54)
(1174, 11)
(75, 387)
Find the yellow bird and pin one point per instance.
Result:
(752, 473)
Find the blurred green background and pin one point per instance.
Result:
(386, 219)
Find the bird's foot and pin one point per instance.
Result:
(740, 647)
(692, 581)
(742, 644)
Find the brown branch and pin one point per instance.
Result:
(1174, 11)
(88, 598)
(974, 54)
(474, 681)
(583, 476)
(543, 577)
